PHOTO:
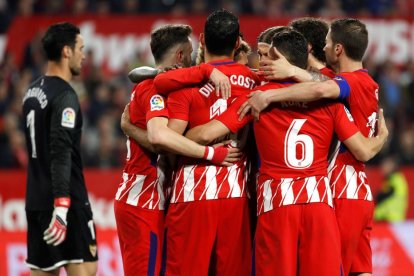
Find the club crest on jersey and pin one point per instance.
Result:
(157, 103)
(68, 117)
(348, 114)
(92, 249)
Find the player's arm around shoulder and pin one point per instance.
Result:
(138, 134)
(364, 148)
(160, 135)
(207, 133)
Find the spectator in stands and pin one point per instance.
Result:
(392, 201)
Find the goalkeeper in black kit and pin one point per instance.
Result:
(61, 232)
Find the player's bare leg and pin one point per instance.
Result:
(360, 274)
(83, 269)
(38, 272)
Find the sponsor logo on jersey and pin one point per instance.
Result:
(68, 117)
(348, 114)
(157, 103)
(218, 108)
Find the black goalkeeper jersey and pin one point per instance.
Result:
(53, 123)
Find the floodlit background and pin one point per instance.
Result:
(116, 34)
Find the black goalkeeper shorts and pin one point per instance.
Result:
(78, 247)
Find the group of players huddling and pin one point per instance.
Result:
(184, 208)
(190, 214)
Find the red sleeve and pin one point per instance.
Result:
(179, 104)
(230, 118)
(344, 122)
(155, 106)
(179, 78)
(327, 72)
(134, 105)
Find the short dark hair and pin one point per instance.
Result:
(166, 37)
(352, 34)
(315, 31)
(267, 35)
(58, 36)
(293, 46)
(244, 47)
(221, 31)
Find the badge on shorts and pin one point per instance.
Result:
(92, 249)
(157, 102)
(68, 117)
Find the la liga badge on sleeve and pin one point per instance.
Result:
(68, 117)
(157, 102)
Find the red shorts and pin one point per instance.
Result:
(209, 236)
(298, 239)
(355, 225)
(140, 233)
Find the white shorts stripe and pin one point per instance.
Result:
(287, 191)
(56, 265)
(352, 185)
(311, 188)
(133, 195)
(267, 196)
(188, 183)
(211, 182)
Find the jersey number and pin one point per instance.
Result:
(31, 125)
(293, 141)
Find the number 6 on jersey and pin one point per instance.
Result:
(293, 140)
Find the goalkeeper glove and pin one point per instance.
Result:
(56, 233)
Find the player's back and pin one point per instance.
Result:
(362, 100)
(295, 137)
(195, 179)
(294, 143)
(202, 102)
(143, 181)
(347, 176)
(51, 108)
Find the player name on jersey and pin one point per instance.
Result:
(39, 94)
(293, 104)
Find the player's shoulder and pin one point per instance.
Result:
(56, 83)
(143, 90)
(187, 92)
(361, 77)
(273, 85)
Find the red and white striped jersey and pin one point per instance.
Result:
(360, 94)
(198, 179)
(293, 143)
(142, 179)
(273, 193)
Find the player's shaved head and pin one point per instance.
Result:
(267, 35)
(315, 31)
(166, 38)
(293, 46)
(221, 32)
(352, 34)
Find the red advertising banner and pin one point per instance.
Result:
(393, 245)
(115, 40)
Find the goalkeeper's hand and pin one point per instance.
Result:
(55, 234)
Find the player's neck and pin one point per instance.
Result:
(58, 69)
(349, 65)
(315, 63)
(212, 58)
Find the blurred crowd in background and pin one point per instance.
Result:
(103, 98)
(8, 8)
